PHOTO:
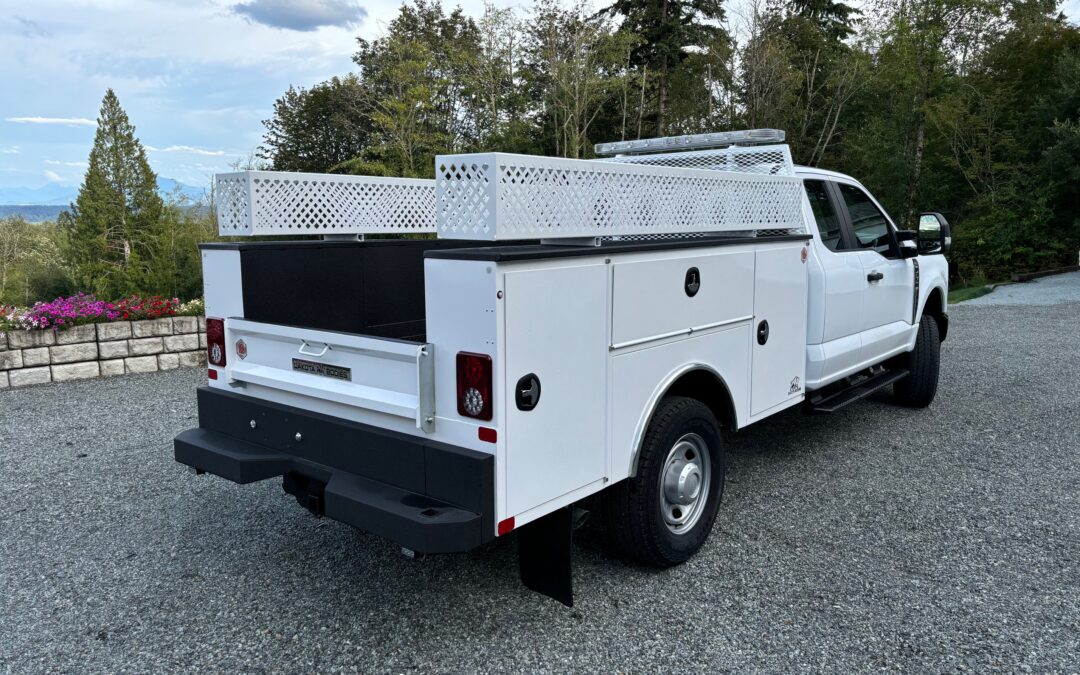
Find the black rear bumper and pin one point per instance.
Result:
(430, 497)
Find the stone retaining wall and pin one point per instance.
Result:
(101, 350)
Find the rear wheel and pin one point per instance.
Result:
(663, 515)
(918, 389)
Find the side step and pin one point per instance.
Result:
(855, 391)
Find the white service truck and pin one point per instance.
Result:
(578, 329)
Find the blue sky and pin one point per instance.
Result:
(197, 77)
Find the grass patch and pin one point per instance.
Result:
(967, 293)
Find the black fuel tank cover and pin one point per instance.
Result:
(527, 392)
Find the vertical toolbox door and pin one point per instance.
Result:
(778, 367)
(556, 329)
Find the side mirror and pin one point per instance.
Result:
(935, 235)
(908, 240)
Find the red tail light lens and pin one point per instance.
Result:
(215, 341)
(474, 385)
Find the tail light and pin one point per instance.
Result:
(215, 342)
(474, 385)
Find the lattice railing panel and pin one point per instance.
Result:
(275, 203)
(774, 160)
(496, 196)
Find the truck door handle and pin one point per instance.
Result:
(875, 276)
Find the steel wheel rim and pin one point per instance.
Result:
(684, 483)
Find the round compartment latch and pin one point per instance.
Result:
(763, 332)
(693, 282)
(527, 392)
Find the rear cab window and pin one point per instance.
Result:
(828, 223)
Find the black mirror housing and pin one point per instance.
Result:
(934, 234)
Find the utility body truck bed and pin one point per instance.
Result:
(580, 330)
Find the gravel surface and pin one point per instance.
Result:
(1055, 290)
(878, 538)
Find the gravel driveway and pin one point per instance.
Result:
(876, 538)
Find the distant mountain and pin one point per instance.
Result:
(51, 193)
(34, 213)
(167, 186)
(46, 202)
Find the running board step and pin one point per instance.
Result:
(856, 392)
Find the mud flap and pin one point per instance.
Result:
(544, 548)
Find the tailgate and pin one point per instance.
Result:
(394, 377)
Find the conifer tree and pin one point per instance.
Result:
(116, 208)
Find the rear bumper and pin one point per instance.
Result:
(430, 497)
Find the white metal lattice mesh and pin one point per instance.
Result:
(273, 202)
(774, 160)
(497, 196)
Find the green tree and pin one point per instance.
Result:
(318, 128)
(667, 32)
(116, 208)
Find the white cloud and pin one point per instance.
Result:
(12, 150)
(302, 15)
(76, 165)
(53, 176)
(187, 149)
(65, 121)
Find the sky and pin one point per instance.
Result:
(197, 77)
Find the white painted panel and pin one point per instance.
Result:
(379, 375)
(223, 287)
(460, 306)
(556, 327)
(641, 376)
(778, 369)
(886, 303)
(650, 299)
(223, 290)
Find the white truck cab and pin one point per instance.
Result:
(579, 332)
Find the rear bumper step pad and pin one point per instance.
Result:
(429, 497)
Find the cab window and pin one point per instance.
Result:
(828, 223)
(869, 224)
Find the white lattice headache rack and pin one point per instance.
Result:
(285, 203)
(746, 189)
(498, 197)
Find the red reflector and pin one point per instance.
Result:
(215, 341)
(488, 435)
(506, 526)
(474, 385)
(211, 373)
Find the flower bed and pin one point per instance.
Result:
(82, 309)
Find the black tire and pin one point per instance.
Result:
(633, 508)
(918, 389)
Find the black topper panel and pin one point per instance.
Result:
(368, 287)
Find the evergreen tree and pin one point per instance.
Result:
(116, 210)
(668, 29)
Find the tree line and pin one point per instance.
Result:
(120, 237)
(968, 107)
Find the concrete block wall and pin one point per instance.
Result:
(101, 350)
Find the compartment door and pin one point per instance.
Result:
(556, 329)
(778, 367)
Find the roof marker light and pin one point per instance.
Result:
(719, 139)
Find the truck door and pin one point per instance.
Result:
(836, 290)
(889, 279)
